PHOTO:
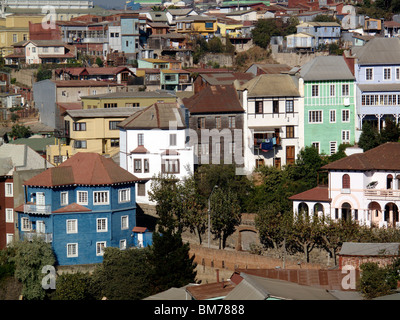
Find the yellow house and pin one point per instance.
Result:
(197, 25)
(127, 99)
(230, 28)
(92, 130)
(15, 28)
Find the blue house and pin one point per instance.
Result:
(130, 35)
(82, 206)
(324, 33)
(377, 72)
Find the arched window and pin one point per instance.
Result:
(346, 181)
(389, 181)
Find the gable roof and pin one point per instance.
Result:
(156, 116)
(271, 85)
(379, 50)
(326, 68)
(214, 99)
(370, 249)
(83, 168)
(227, 78)
(383, 157)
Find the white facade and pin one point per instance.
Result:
(32, 52)
(114, 38)
(284, 121)
(372, 198)
(148, 153)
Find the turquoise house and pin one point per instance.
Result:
(81, 207)
(328, 87)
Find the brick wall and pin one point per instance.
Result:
(231, 260)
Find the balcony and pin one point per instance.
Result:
(382, 194)
(46, 237)
(37, 209)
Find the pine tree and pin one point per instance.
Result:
(369, 138)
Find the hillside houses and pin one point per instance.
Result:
(125, 97)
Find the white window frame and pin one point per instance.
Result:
(316, 145)
(332, 144)
(321, 117)
(345, 115)
(101, 197)
(332, 90)
(345, 90)
(64, 198)
(72, 250)
(79, 199)
(345, 136)
(172, 139)
(9, 238)
(397, 73)
(371, 76)
(9, 215)
(332, 119)
(122, 244)
(387, 74)
(26, 224)
(124, 195)
(315, 90)
(102, 225)
(9, 189)
(71, 226)
(100, 246)
(124, 222)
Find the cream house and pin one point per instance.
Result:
(364, 187)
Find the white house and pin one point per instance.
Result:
(364, 187)
(152, 142)
(46, 51)
(271, 125)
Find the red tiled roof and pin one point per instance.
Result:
(320, 193)
(139, 229)
(214, 99)
(140, 149)
(383, 157)
(73, 207)
(83, 168)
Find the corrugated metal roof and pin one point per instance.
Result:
(271, 85)
(83, 168)
(379, 51)
(158, 115)
(326, 68)
(370, 249)
(379, 87)
(100, 113)
(263, 288)
(214, 99)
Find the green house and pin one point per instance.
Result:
(328, 87)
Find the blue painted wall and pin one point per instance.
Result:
(87, 235)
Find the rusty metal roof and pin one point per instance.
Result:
(271, 85)
(214, 99)
(83, 168)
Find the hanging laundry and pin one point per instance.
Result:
(266, 146)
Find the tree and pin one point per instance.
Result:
(43, 74)
(99, 62)
(124, 274)
(165, 192)
(263, 31)
(170, 262)
(390, 133)
(335, 232)
(30, 257)
(20, 131)
(215, 45)
(225, 214)
(305, 232)
(374, 280)
(273, 226)
(74, 286)
(369, 137)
